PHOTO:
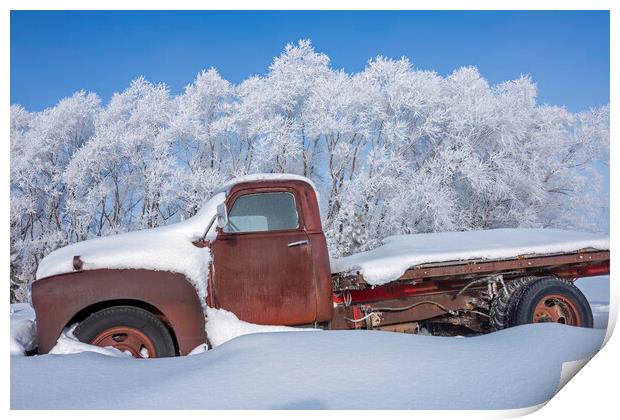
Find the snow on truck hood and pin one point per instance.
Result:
(166, 248)
(398, 253)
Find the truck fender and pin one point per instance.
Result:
(62, 300)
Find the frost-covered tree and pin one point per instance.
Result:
(122, 178)
(393, 150)
(202, 145)
(42, 145)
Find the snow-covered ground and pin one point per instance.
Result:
(321, 369)
(23, 329)
(513, 368)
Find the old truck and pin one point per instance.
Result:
(257, 249)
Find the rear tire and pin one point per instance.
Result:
(503, 305)
(128, 329)
(551, 300)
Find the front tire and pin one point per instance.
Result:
(128, 329)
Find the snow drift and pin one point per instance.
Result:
(69, 344)
(398, 253)
(23, 329)
(223, 326)
(316, 370)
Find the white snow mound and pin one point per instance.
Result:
(370, 370)
(223, 326)
(398, 253)
(69, 344)
(23, 329)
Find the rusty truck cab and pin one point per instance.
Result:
(270, 261)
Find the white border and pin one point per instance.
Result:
(592, 394)
(311, 5)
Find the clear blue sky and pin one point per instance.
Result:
(54, 54)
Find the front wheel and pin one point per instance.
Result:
(551, 300)
(128, 329)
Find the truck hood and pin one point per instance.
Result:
(167, 248)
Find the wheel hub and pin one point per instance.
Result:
(557, 308)
(126, 339)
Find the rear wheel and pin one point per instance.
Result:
(128, 329)
(504, 304)
(551, 300)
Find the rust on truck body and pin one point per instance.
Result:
(427, 306)
(169, 294)
(550, 264)
(582, 263)
(260, 277)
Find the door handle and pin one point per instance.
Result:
(304, 242)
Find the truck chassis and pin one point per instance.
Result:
(451, 296)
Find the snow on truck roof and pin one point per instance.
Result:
(264, 177)
(399, 253)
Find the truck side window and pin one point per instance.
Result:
(263, 212)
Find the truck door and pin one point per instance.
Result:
(262, 260)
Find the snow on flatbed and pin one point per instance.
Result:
(399, 253)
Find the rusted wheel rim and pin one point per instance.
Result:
(126, 339)
(557, 308)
